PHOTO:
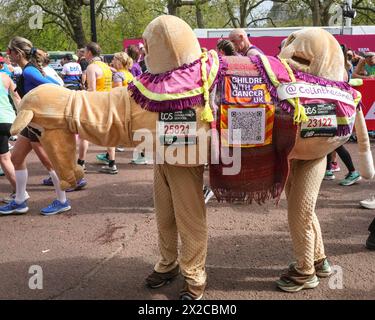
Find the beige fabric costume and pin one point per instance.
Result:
(181, 213)
(178, 195)
(315, 51)
(302, 191)
(110, 118)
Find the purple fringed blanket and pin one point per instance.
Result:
(344, 112)
(264, 169)
(177, 89)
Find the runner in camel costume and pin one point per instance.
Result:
(110, 119)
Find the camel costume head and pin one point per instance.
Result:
(315, 51)
(110, 119)
(169, 44)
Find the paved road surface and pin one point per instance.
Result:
(107, 245)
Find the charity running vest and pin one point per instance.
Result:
(104, 83)
(7, 114)
(370, 70)
(128, 77)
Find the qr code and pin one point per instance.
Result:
(246, 126)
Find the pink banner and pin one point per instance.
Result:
(368, 100)
(270, 45)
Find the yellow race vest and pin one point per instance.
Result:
(128, 77)
(104, 83)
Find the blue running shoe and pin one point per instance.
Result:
(139, 160)
(350, 178)
(14, 207)
(80, 185)
(56, 207)
(102, 157)
(47, 182)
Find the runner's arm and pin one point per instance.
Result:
(359, 71)
(91, 78)
(36, 77)
(11, 87)
(13, 93)
(117, 80)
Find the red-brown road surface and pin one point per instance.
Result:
(107, 244)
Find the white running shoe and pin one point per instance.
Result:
(208, 194)
(108, 169)
(12, 197)
(368, 203)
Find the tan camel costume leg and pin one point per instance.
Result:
(183, 213)
(302, 191)
(54, 152)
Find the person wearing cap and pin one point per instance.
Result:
(71, 72)
(366, 67)
(242, 43)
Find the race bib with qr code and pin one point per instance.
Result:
(247, 126)
(178, 127)
(322, 120)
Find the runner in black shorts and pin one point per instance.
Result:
(31, 134)
(4, 137)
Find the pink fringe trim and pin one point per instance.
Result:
(173, 105)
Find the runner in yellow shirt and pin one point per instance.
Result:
(99, 78)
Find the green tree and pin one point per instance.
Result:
(66, 23)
